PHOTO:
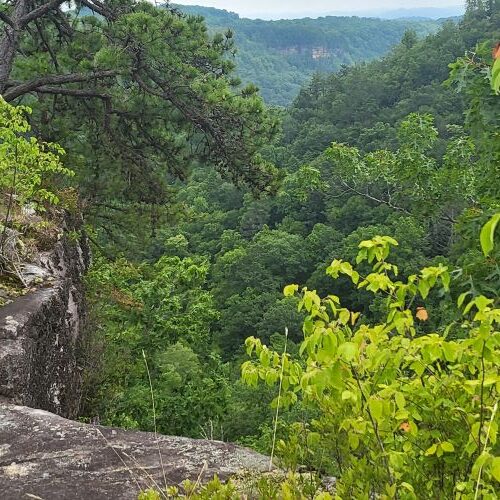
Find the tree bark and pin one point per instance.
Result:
(10, 41)
(14, 26)
(17, 89)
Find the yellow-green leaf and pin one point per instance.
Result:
(400, 400)
(495, 468)
(495, 76)
(447, 446)
(347, 351)
(488, 234)
(432, 450)
(289, 290)
(376, 408)
(353, 441)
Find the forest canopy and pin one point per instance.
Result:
(281, 56)
(320, 283)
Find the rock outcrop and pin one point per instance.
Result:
(43, 456)
(41, 332)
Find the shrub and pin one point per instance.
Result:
(25, 162)
(398, 415)
(25, 167)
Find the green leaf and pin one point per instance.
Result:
(450, 351)
(353, 441)
(347, 395)
(376, 408)
(396, 460)
(271, 378)
(445, 279)
(423, 288)
(400, 400)
(408, 486)
(290, 290)
(495, 78)
(495, 468)
(347, 351)
(431, 451)
(447, 446)
(488, 234)
(265, 357)
(391, 490)
(344, 316)
(462, 298)
(313, 439)
(418, 367)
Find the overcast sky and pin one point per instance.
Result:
(250, 8)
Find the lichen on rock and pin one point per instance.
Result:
(46, 456)
(42, 328)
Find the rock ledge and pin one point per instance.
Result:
(42, 333)
(44, 456)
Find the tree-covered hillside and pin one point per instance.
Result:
(320, 283)
(364, 104)
(421, 179)
(280, 56)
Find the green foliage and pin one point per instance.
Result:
(214, 489)
(410, 180)
(281, 56)
(363, 105)
(30, 170)
(300, 185)
(488, 234)
(159, 314)
(470, 73)
(401, 414)
(495, 76)
(404, 163)
(154, 95)
(26, 164)
(268, 487)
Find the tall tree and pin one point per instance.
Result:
(134, 93)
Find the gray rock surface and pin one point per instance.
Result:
(10, 248)
(41, 333)
(33, 274)
(46, 456)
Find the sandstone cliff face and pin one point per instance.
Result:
(41, 333)
(48, 457)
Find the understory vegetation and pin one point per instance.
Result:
(319, 283)
(28, 219)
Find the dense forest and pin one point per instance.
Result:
(281, 56)
(287, 279)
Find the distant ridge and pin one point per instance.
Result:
(402, 13)
(280, 56)
(423, 12)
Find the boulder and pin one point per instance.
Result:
(44, 456)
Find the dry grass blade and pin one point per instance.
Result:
(154, 418)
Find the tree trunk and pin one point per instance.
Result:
(9, 42)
